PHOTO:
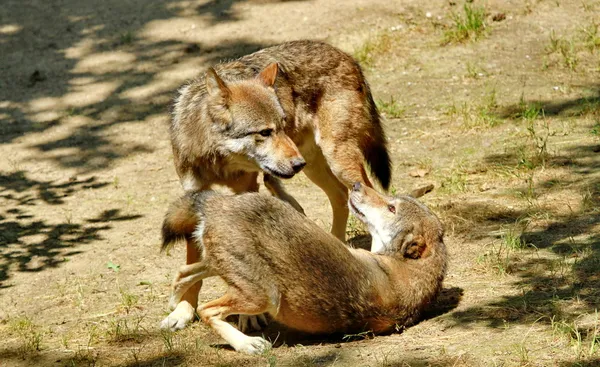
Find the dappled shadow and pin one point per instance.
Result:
(222, 10)
(589, 363)
(82, 357)
(17, 189)
(28, 244)
(446, 301)
(84, 72)
(568, 268)
(172, 359)
(567, 108)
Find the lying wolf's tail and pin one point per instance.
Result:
(180, 221)
(375, 149)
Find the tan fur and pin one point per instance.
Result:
(275, 260)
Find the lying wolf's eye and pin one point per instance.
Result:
(392, 208)
(266, 132)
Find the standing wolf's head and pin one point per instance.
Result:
(250, 121)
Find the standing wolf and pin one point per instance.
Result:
(299, 105)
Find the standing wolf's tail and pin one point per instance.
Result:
(180, 221)
(377, 157)
(375, 149)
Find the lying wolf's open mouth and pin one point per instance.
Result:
(356, 211)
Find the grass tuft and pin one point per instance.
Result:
(373, 47)
(391, 108)
(30, 337)
(467, 26)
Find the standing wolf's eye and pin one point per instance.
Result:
(392, 209)
(266, 132)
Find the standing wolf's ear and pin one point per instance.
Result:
(215, 86)
(269, 74)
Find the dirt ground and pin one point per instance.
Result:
(503, 118)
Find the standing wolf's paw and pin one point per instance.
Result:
(247, 323)
(181, 317)
(253, 345)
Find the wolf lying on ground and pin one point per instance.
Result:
(301, 105)
(277, 261)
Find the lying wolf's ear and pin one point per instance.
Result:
(269, 74)
(215, 86)
(417, 193)
(414, 247)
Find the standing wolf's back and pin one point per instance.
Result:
(311, 68)
(308, 70)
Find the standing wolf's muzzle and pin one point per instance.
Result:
(298, 164)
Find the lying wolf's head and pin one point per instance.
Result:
(250, 121)
(398, 224)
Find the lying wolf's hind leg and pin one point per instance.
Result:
(233, 302)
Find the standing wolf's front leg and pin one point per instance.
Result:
(185, 311)
(276, 189)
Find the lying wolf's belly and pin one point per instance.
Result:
(324, 318)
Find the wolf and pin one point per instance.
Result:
(301, 105)
(276, 261)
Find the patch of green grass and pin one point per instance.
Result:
(425, 164)
(512, 239)
(123, 329)
(372, 48)
(529, 111)
(590, 199)
(571, 331)
(539, 136)
(467, 26)
(588, 6)
(482, 115)
(359, 336)
(86, 354)
(522, 353)
(535, 153)
(498, 259)
(29, 335)
(128, 300)
(455, 182)
(596, 128)
(566, 48)
(126, 38)
(474, 71)
(355, 227)
(591, 36)
(391, 108)
(168, 341)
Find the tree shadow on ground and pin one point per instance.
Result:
(82, 357)
(567, 108)
(31, 245)
(222, 10)
(563, 256)
(45, 83)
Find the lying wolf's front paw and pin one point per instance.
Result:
(180, 318)
(254, 345)
(248, 323)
